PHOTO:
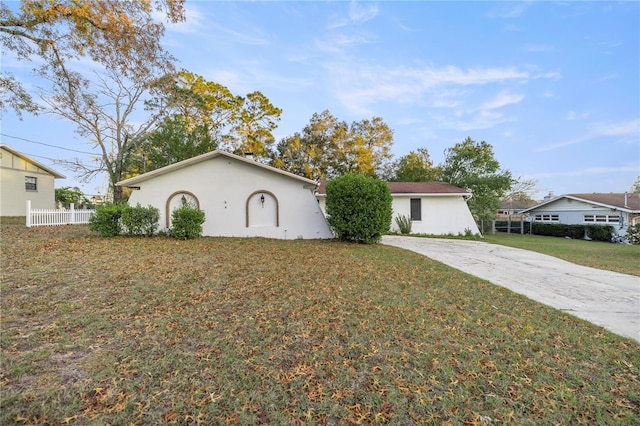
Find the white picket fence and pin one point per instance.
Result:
(52, 217)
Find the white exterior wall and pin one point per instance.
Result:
(441, 215)
(223, 185)
(13, 195)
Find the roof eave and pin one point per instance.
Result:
(572, 197)
(134, 181)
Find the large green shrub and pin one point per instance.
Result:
(106, 220)
(186, 222)
(358, 208)
(140, 220)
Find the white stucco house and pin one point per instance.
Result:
(435, 208)
(616, 209)
(22, 178)
(240, 197)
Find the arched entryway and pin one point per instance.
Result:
(262, 209)
(178, 199)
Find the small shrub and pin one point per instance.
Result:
(633, 234)
(140, 220)
(599, 232)
(404, 224)
(186, 222)
(106, 220)
(359, 208)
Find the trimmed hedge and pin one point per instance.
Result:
(140, 220)
(110, 220)
(106, 220)
(578, 232)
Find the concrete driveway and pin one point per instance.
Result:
(608, 299)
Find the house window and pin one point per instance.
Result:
(601, 218)
(30, 183)
(416, 209)
(547, 218)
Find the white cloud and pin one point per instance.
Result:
(508, 10)
(572, 115)
(589, 171)
(362, 12)
(482, 119)
(255, 38)
(502, 99)
(625, 128)
(359, 86)
(358, 13)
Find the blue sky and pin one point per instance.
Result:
(554, 87)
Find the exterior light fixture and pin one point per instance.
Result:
(262, 199)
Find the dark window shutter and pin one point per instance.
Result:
(416, 209)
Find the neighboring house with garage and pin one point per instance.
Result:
(435, 208)
(616, 209)
(240, 197)
(22, 178)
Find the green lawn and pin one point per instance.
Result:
(256, 331)
(623, 258)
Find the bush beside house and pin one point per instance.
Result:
(110, 220)
(358, 208)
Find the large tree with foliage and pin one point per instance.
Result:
(328, 147)
(253, 126)
(416, 166)
(122, 41)
(121, 36)
(105, 112)
(172, 141)
(200, 116)
(472, 165)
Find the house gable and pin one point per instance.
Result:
(10, 158)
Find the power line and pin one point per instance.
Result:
(53, 160)
(46, 144)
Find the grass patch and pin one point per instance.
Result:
(13, 220)
(622, 258)
(246, 331)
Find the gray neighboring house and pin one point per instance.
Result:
(619, 210)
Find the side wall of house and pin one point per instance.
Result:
(13, 192)
(440, 215)
(231, 192)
